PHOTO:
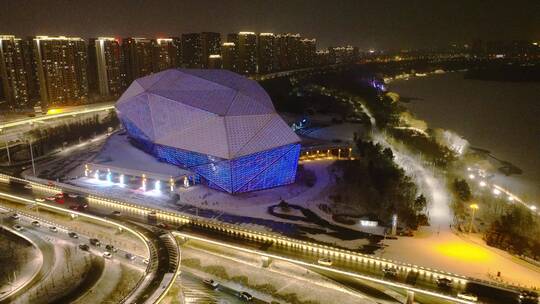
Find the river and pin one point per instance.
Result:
(502, 117)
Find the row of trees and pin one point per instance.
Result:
(47, 139)
(424, 145)
(374, 184)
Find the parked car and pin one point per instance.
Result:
(245, 296)
(390, 271)
(53, 229)
(39, 199)
(116, 213)
(163, 226)
(468, 296)
(95, 242)
(146, 261)
(75, 207)
(444, 282)
(73, 195)
(73, 235)
(50, 198)
(528, 297)
(130, 256)
(59, 200)
(18, 227)
(84, 247)
(325, 261)
(59, 195)
(15, 216)
(111, 248)
(107, 255)
(211, 283)
(27, 186)
(36, 224)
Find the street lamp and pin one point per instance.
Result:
(473, 207)
(483, 184)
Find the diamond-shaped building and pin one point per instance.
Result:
(215, 123)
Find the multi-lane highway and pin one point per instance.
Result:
(391, 274)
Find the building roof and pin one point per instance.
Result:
(214, 112)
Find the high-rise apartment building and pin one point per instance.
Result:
(61, 65)
(165, 54)
(247, 53)
(191, 50)
(105, 66)
(287, 51)
(307, 52)
(138, 57)
(17, 73)
(229, 56)
(210, 45)
(265, 57)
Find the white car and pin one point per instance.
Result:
(468, 296)
(53, 229)
(146, 261)
(39, 199)
(325, 261)
(107, 255)
(18, 227)
(15, 216)
(27, 186)
(72, 195)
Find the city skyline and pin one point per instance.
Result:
(365, 24)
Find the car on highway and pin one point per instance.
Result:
(95, 242)
(163, 226)
(325, 261)
(15, 216)
(211, 283)
(111, 248)
(84, 247)
(467, 296)
(107, 255)
(245, 296)
(390, 272)
(130, 256)
(73, 235)
(73, 195)
(59, 200)
(39, 199)
(53, 229)
(146, 261)
(116, 213)
(59, 195)
(50, 198)
(444, 283)
(18, 227)
(27, 186)
(36, 224)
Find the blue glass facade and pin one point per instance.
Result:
(261, 170)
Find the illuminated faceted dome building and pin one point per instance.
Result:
(214, 123)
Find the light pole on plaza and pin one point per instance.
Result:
(473, 207)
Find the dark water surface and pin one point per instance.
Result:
(503, 117)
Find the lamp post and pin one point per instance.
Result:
(473, 207)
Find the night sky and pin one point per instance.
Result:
(367, 24)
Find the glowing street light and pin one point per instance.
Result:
(121, 180)
(482, 184)
(471, 176)
(496, 191)
(171, 184)
(157, 185)
(96, 175)
(144, 182)
(533, 207)
(109, 175)
(473, 207)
